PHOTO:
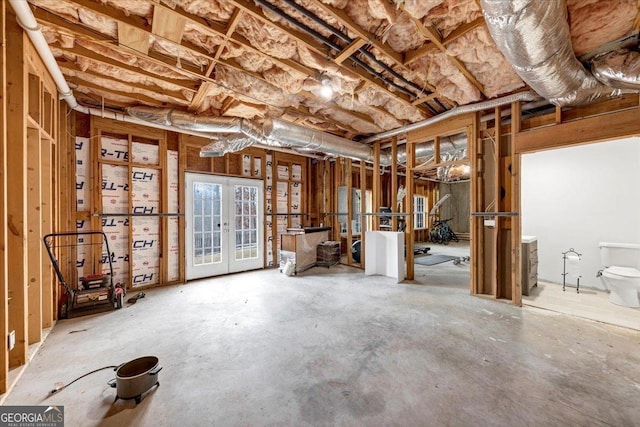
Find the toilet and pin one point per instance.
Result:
(622, 272)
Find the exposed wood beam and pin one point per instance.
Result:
(371, 39)
(418, 53)
(619, 124)
(426, 98)
(131, 95)
(89, 72)
(308, 42)
(200, 96)
(461, 67)
(230, 35)
(430, 33)
(91, 55)
(231, 27)
(448, 127)
(463, 29)
(162, 59)
(349, 50)
(204, 88)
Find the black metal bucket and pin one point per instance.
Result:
(136, 377)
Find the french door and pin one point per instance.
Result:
(224, 223)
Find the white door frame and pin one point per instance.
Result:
(231, 256)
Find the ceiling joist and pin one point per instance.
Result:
(311, 44)
(430, 33)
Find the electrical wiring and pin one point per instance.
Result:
(58, 389)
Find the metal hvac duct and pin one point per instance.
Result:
(425, 149)
(620, 69)
(300, 137)
(534, 36)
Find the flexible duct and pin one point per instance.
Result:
(534, 36)
(230, 144)
(620, 69)
(301, 137)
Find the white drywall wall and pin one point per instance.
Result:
(579, 196)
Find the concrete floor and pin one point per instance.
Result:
(333, 347)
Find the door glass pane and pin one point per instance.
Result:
(207, 203)
(246, 209)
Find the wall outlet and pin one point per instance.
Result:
(12, 340)
(489, 222)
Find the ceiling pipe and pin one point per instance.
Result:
(456, 111)
(28, 22)
(301, 137)
(316, 35)
(534, 36)
(348, 40)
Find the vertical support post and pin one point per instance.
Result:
(558, 117)
(182, 197)
(164, 207)
(34, 245)
(337, 182)
(17, 92)
(436, 160)
(516, 221)
(377, 184)
(46, 205)
(350, 213)
(477, 223)
(410, 186)
(394, 182)
(363, 209)
(4, 282)
(496, 285)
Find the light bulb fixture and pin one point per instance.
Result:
(326, 92)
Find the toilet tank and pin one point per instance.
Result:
(620, 254)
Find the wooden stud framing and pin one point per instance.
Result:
(350, 214)
(46, 227)
(17, 101)
(410, 187)
(516, 229)
(497, 285)
(182, 168)
(4, 279)
(477, 226)
(377, 184)
(394, 183)
(618, 125)
(363, 210)
(34, 222)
